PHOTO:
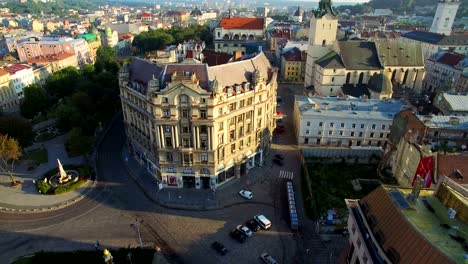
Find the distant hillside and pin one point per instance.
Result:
(400, 6)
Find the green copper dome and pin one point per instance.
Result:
(325, 7)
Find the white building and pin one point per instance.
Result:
(443, 71)
(322, 37)
(444, 16)
(343, 121)
(21, 75)
(81, 48)
(431, 43)
(239, 33)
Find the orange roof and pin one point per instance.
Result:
(241, 23)
(3, 72)
(16, 68)
(453, 166)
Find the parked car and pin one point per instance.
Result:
(279, 99)
(253, 225)
(278, 162)
(245, 230)
(280, 128)
(220, 248)
(263, 221)
(238, 235)
(268, 259)
(246, 194)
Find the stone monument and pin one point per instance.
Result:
(63, 176)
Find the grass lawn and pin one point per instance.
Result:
(139, 255)
(38, 156)
(331, 184)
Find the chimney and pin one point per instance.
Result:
(237, 55)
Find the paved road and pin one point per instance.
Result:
(110, 211)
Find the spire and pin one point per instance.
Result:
(325, 7)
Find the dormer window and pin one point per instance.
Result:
(202, 100)
(165, 100)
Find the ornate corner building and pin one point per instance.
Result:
(196, 126)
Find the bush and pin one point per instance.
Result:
(69, 187)
(43, 187)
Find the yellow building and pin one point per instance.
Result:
(293, 64)
(8, 100)
(57, 61)
(195, 126)
(37, 25)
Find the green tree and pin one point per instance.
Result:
(67, 116)
(77, 143)
(35, 101)
(62, 83)
(105, 60)
(18, 128)
(10, 151)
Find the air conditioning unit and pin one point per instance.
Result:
(451, 213)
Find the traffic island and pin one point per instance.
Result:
(64, 179)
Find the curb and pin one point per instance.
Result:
(78, 198)
(185, 207)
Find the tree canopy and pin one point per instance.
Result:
(36, 100)
(57, 7)
(18, 128)
(160, 38)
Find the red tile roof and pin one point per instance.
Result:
(453, 166)
(241, 23)
(451, 59)
(3, 72)
(213, 58)
(16, 68)
(50, 58)
(398, 233)
(145, 15)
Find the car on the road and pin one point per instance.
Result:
(238, 235)
(278, 162)
(246, 194)
(253, 225)
(280, 128)
(279, 99)
(245, 230)
(220, 248)
(263, 221)
(268, 259)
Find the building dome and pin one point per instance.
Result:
(108, 32)
(299, 12)
(380, 84)
(196, 12)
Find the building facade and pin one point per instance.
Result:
(293, 63)
(452, 104)
(444, 16)
(195, 126)
(56, 62)
(21, 75)
(239, 33)
(343, 122)
(9, 100)
(443, 70)
(432, 43)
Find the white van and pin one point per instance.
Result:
(263, 221)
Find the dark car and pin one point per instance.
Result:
(280, 128)
(278, 162)
(237, 235)
(253, 225)
(220, 248)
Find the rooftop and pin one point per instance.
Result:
(396, 53)
(445, 122)
(293, 54)
(348, 107)
(454, 166)
(241, 23)
(457, 102)
(437, 39)
(359, 55)
(412, 230)
(16, 68)
(50, 58)
(331, 60)
(449, 58)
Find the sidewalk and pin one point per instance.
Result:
(196, 199)
(25, 197)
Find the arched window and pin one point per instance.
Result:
(236, 37)
(205, 171)
(324, 42)
(183, 99)
(251, 37)
(406, 76)
(361, 77)
(244, 37)
(393, 75)
(226, 36)
(348, 76)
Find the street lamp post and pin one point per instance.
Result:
(137, 226)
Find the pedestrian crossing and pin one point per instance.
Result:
(286, 175)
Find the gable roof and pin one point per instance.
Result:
(331, 60)
(398, 233)
(240, 71)
(359, 55)
(16, 68)
(241, 23)
(396, 53)
(293, 54)
(142, 71)
(213, 58)
(450, 58)
(437, 39)
(201, 71)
